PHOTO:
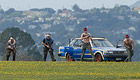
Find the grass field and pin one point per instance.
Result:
(20, 70)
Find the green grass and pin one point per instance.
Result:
(21, 70)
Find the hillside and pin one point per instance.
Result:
(137, 4)
(63, 24)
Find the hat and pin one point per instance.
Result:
(11, 38)
(127, 36)
(85, 29)
(48, 35)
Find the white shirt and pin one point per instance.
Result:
(11, 45)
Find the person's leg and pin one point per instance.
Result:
(83, 51)
(14, 54)
(132, 52)
(129, 56)
(45, 51)
(8, 51)
(90, 50)
(52, 55)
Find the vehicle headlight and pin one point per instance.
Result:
(111, 52)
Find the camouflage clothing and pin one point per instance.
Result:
(87, 46)
(8, 52)
(45, 50)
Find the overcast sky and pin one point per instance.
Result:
(60, 4)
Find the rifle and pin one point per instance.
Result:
(50, 49)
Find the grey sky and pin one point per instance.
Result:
(59, 4)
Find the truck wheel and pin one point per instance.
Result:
(98, 58)
(69, 58)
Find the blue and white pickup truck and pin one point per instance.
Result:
(101, 47)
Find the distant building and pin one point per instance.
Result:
(137, 9)
(105, 11)
(132, 29)
(121, 17)
(32, 26)
(134, 19)
(72, 18)
(45, 26)
(66, 13)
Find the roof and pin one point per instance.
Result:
(94, 38)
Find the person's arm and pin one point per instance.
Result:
(43, 43)
(90, 37)
(133, 44)
(83, 37)
(8, 44)
(125, 44)
(52, 44)
(15, 45)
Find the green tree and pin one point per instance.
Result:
(11, 10)
(76, 8)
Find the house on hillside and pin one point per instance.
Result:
(137, 9)
(65, 13)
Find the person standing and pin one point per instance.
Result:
(11, 47)
(129, 44)
(86, 37)
(48, 47)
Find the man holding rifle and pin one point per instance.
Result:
(11, 47)
(48, 46)
(129, 44)
(86, 37)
